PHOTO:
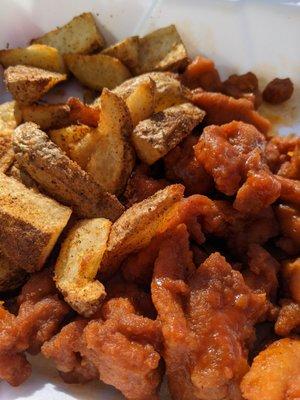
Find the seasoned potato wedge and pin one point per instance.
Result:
(60, 176)
(36, 55)
(127, 51)
(138, 225)
(9, 119)
(169, 91)
(46, 115)
(78, 141)
(30, 224)
(11, 277)
(78, 262)
(141, 101)
(29, 84)
(97, 71)
(20, 174)
(156, 136)
(112, 160)
(162, 50)
(80, 35)
(274, 372)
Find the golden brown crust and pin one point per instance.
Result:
(60, 176)
(30, 224)
(29, 84)
(155, 137)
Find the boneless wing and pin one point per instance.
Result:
(275, 372)
(39, 317)
(207, 318)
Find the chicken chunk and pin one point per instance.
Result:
(39, 317)
(274, 374)
(207, 318)
(233, 154)
(222, 109)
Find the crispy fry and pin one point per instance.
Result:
(112, 159)
(78, 263)
(78, 141)
(80, 35)
(29, 84)
(169, 91)
(46, 116)
(36, 55)
(127, 51)
(162, 50)
(138, 225)
(98, 70)
(155, 137)
(60, 176)
(141, 101)
(30, 224)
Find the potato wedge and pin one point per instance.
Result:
(9, 119)
(81, 113)
(9, 116)
(58, 175)
(274, 372)
(138, 225)
(112, 160)
(36, 55)
(80, 35)
(155, 137)
(162, 50)
(77, 141)
(97, 71)
(30, 224)
(20, 174)
(11, 277)
(46, 115)
(127, 51)
(29, 84)
(141, 101)
(169, 91)
(78, 262)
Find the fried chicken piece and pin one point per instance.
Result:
(39, 317)
(222, 109)
(140, 185)
(243, 86)
(290, 190)
(283, 156)
(291, 275)
(66, 350)
(201, 72)
(182, 166)
(233, 154)
(124, 350)
(274, 374)
(278, 90)
(263, 270)
(207, 318)
(241, 230)
(288, 319)
(60, 176)
(198, 213)
(121, 347)
(289, 219)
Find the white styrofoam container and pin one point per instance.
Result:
(239, 35)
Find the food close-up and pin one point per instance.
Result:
(150, 229)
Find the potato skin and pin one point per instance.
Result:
(61, 177)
